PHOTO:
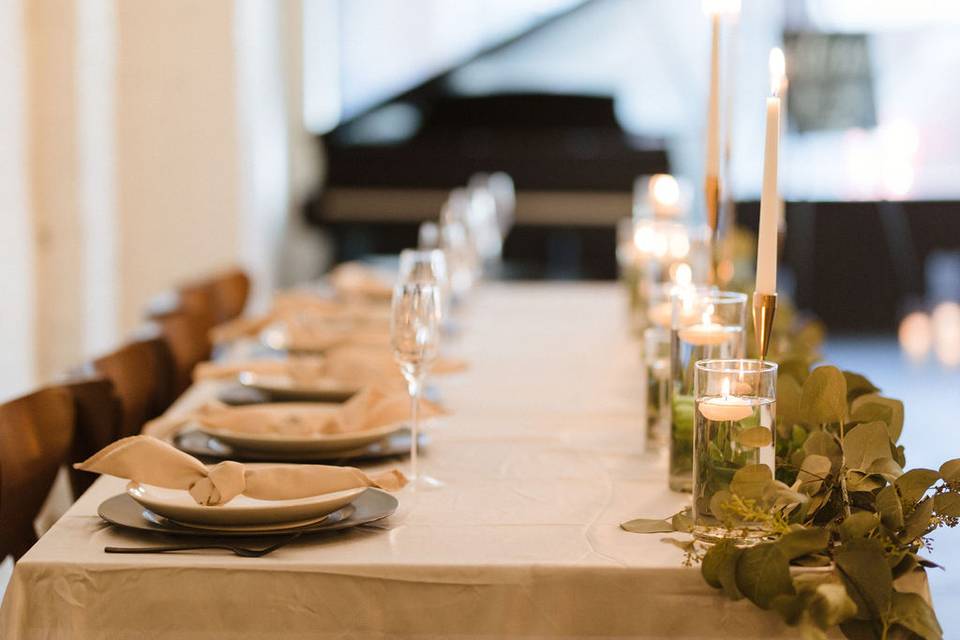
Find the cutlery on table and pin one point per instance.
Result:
(244, 552)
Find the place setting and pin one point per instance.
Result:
(174, 494)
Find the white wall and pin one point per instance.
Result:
(145, 143)
(17, 363)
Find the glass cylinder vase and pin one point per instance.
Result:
(735, 428)
(705, 326)
(656, 366)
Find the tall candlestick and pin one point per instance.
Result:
(713, 106)
(770, 195)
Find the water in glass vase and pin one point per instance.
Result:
(685, 356)
(658, 386)
(732, 432)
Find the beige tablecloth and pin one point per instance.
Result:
(543, 458)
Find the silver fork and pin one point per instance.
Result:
(243, 552)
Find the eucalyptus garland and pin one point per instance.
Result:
(844, 522)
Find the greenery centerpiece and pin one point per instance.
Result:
(844, 522)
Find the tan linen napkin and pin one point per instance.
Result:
(304, 335)
(345, 359)
(353, 279)
(369, 409)
(307, 308)
(151, 461)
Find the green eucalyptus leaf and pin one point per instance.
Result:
(950, 470)
(797, 367)
(824, 396)
(870, 408)
(861, 481)
(832, 605)
(803, 542)
(823, 444)
(908, 562)
(857, 385)
(867, 576)
(719, 568)
(918, 522)
(890, 509)
(947, 504)
(914, 483)
(788, 399)
(814, 470)
(912, 612)
(865, 443)
(885, 467)
(751, 482)
(682, 521)
(755, 437)
(860, 630)
(791, 607)
(718, 504)
(858, 525)
(647, 525)
(763, 573)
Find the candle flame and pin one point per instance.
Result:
(778, 70)
(665, 189)
(706, 317)
(725, 387)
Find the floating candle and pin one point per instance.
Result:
(726, 407)
(706, 332)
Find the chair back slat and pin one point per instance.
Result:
(36, 432)
(143, 377)
(98, 418)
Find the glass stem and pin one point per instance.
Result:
(415, 435)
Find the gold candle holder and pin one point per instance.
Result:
(764, 308)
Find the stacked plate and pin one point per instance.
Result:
(173, 511)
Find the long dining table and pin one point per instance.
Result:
(541, 458)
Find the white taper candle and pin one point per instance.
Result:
(769, 203)
(713, 104)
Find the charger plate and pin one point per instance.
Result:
(203, 445)
(125, 512)
(285, 388)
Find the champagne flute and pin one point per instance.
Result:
(415, 335)
(430, 266)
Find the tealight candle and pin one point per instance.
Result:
(705, 333)
(726, 407)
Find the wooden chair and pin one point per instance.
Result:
(230, 293)
(143, 376)
(199, 300)
(98, 416)
(189, 344)
(36, 432)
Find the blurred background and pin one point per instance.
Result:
(148, 141)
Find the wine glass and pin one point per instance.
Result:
(430, 266)
(415, 336)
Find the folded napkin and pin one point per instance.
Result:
(369, 409)
(350, 365)
(353, 279)
(151, 461)
(306, 308)
(304, 335)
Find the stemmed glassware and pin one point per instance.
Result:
(415, 318)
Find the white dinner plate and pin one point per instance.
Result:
(280, 386)
(180, 506)
(279, 443)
